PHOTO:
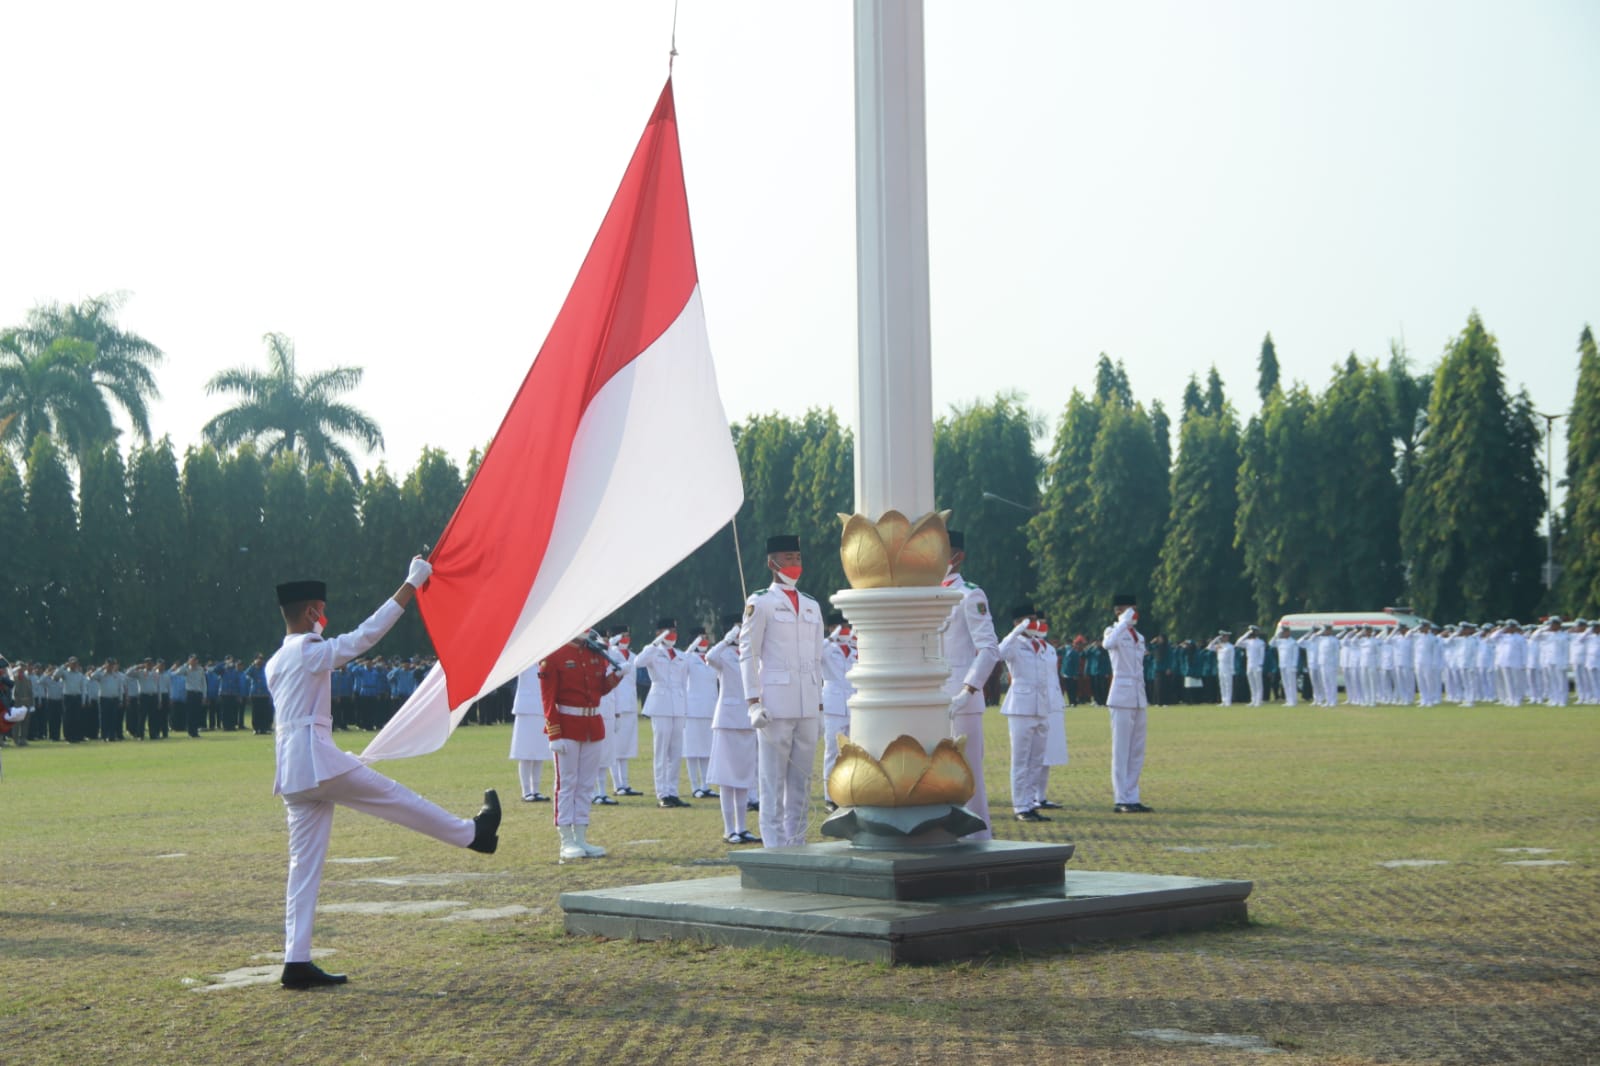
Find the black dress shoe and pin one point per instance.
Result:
(628, 792)
(1139, 808)
(309, 975)
(606, 801)
(1046, 805)
(671, 801)
(1126, 808)
(752, 805)
(747, 837)
(1031, 816)
(830, 806)
(486, 824)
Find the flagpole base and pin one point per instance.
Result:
(898, 828)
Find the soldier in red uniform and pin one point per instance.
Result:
(571, 681)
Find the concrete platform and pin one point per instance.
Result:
(934, 873)
(1078, 907)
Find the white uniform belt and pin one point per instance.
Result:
(578, 712)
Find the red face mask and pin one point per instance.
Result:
(790, 572)
(625, 641)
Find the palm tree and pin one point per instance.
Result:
(280, 411)
(52, 391)
(118, 362)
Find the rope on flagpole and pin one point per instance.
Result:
(673, 54)
(744, 594)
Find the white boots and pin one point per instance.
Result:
(575, 843)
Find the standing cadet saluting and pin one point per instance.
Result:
(1127, 704)
(780, 662)
(971, 649)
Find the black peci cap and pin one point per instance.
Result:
(666, 623)
(783, 542)
(1023, 610)
(732, 619)
(301, 591)
(1124, 599)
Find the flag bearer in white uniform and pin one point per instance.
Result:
(1055, 736)
(972, 650)
(780, 662)
(700, 705)
(1288, 650)
(1550, 642)
(313, 775)
(1025, 710)
(529, 745)
(837, 659)
(1126, 704)
(665, 706)
(734, 757)
(625, 702)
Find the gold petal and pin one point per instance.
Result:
(894, 529)
(861, 551)
(948, 778)
(924, 558)
(858, 780)
(905, 761)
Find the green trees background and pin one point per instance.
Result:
(1385, 485)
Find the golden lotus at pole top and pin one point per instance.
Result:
(895, 552)
(906, 776)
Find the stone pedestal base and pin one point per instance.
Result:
(912, 907)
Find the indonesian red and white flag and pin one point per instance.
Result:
(571, 512)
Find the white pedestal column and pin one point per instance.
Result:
(901, 671)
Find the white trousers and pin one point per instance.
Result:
(1028, 734)
(1225, 687)
(311, 823)
(607, 747)
(1258, 687)
(1127, 752)
(832, 726)
(1428, 682)
(1406, 679)
(575, 780)
(1318, 696)
(969, 723)
(1511, 678)
(1291, 687)
(735, 802)
(1555, 685)
(667, 745)
(1330, 684)
(787, 749)
(528, 773)
(624, 746)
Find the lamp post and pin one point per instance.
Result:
(1550, 497)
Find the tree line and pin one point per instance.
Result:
(1389, 485)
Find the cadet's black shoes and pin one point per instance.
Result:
(486, 824)
(309, 975)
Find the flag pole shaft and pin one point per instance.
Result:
(738, 556)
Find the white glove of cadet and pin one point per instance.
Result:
(419, 573)
(957, 702)
(759, 716)
(564, 748)
(1022, 627)
(732, 636)
(1126, 617)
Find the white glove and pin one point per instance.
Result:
(759, 716)
(1022, 627)
(956, 703)
(419, 573)
(732, 636)
(564, 748)
(1126, 617)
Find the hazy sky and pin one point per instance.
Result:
(410, 188)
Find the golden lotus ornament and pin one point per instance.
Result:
(894, 551)
(906, 776)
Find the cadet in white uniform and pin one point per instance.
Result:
(1126, 703)
(530, 747)
(780, 662)
(837, 659)
(625, 705)
(1551, 642)
(1223, 646)
(1288, 650)
(700, 705)
(734, 757)
(313, 775)
(1255, 661)
(1427, 659)
(665, 706)
(972, 650)
(1024, 710)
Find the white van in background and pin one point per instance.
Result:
(1386, 619)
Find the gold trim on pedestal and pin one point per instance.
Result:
(906, 776)
(895, 552)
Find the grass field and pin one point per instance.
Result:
(134, 873)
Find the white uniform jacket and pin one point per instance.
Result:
(702, 687)
(299, 677)
(1027, 695)
(970, 646)
(732, 711)
(780, 653)
(1127, 666)
(669, 681)
(837, 659)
